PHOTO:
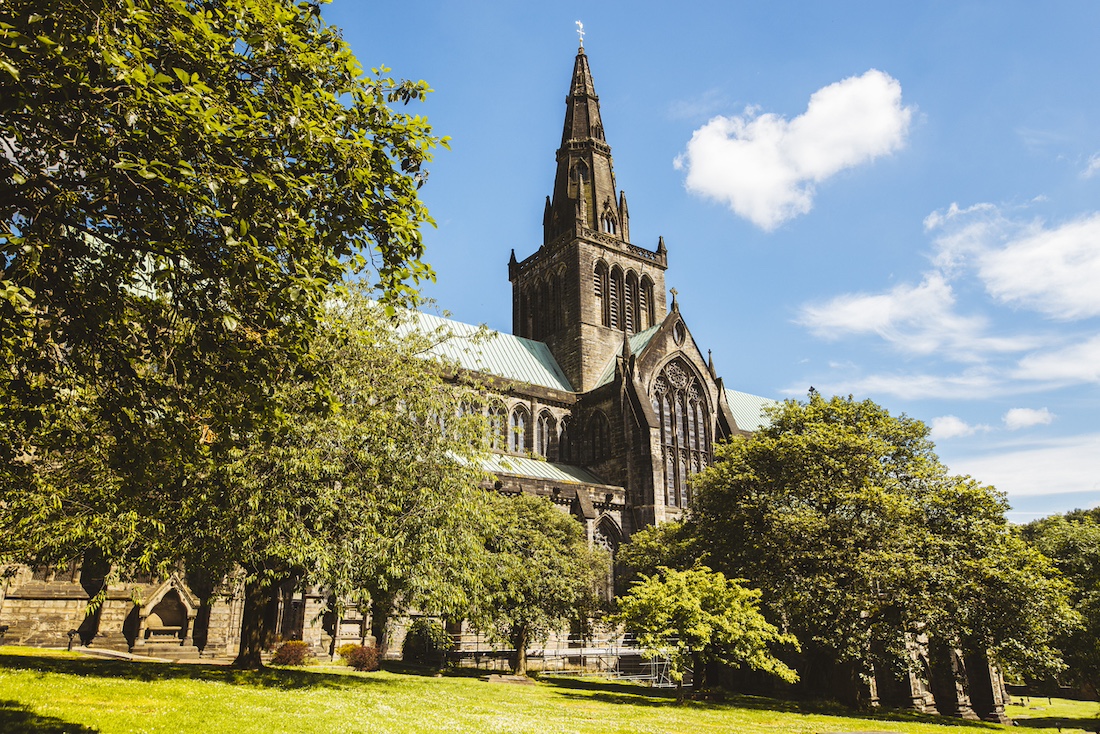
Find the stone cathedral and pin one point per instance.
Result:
(604, 404)
(630, 407)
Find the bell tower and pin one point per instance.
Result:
(587, 284)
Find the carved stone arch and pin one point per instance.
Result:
(580, 172)
(609, 222)
(607, 534)
(168, 613)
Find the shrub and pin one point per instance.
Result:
(345, 650)
(294, 652)
(426, 643)
(361, 657)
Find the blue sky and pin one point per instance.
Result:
(900, 201)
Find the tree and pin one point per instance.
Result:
(1072, 542)
(379, 495)
(670, 544)
(539, 572)
(182, 184)
(698, 616)
(857, 536)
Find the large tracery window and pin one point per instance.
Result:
(680, 404)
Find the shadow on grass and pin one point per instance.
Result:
(1058, 723)
(15, 718)
(634, 694)
(280, 678)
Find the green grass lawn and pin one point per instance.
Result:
(43, 691)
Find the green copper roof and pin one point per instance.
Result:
(748, 410)
(523, 467)
(638, 342)
(496, 353)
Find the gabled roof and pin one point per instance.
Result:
(523, 467)
(503, 355)
(638, 342)
(748, 410)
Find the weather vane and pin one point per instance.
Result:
(580, 32)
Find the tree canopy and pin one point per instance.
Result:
(1072, 542)
(375, 500)
(182, 185)
(538, 574)
(699, 616)
(843, 516)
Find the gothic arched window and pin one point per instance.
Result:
(545, 430)
(498, 424)
(679, 401)
(615, 297)
(545, 308)
(631, 315)
(599, 437)
(600, 287)
(565, 445)
(517, 430)
(646, 316)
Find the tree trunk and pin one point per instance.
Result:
(252, 626)
(381, 609)
(519, 658)
(699, 672)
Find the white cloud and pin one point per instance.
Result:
(765, 167)
(1018, 418)
(917, 319)
(1093, 166)
(1070, 365)
(1069, 464)
(1054, 271)
(972, 384)
(950, 426)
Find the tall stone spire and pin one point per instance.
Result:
(584, 166)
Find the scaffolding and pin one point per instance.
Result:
(614, 657)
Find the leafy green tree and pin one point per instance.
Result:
(846, 520)
(670, 544)
(182, 183)
(538, 574)
(1072, 542)
(990, 591)
(379, 495)
(698, 616)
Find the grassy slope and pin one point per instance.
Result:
(48, 691)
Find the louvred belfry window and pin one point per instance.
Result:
(679, 402)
